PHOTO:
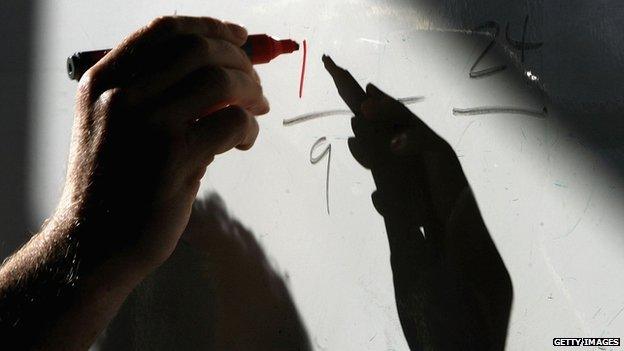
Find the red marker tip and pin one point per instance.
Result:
(261, 48)
(287, 46)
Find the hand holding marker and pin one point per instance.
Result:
(260, 48)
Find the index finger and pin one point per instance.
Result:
(348, 88)
(124, 59)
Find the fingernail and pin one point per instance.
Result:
(238, 30)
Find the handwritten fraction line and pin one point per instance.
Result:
(313, 115)
(485, 110)
(309, 116)
(411, 99)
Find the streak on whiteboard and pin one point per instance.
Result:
(376, 42)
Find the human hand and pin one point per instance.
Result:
(150, 117)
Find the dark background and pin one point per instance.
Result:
(16, 26)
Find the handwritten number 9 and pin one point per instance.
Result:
(316, 159)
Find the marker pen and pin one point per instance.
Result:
(260, 48)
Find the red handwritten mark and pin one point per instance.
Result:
(305, 53)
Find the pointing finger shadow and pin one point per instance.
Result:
(451, 286)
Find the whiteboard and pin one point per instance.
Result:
(548, 189)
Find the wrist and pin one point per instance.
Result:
(55, 285)
(96, 260)
(446, 180)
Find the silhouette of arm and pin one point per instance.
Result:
(451, 286)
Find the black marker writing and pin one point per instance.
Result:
(484, 110)
(521, 45)
(310, 116)
(410, 99)
(518, 45)
(488, 71)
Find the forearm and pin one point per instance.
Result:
(57, 294)
(134, 170)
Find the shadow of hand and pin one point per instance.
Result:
(217, 291)
(451, 286)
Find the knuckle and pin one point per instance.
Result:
(164, 24)
(99, 117)
(216, 27)
(90, 85)
(112, 99)
(86, 85)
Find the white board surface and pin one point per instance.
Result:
(550, 199)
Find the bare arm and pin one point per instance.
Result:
(150, 117)
(54, 295)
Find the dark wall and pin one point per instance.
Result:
(16, 26)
